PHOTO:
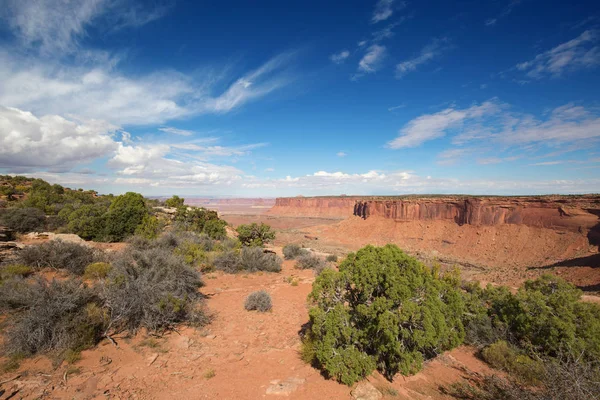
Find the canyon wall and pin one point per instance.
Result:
(572, 213)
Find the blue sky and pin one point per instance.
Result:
(285, 98)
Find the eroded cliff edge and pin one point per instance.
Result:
(572, 213)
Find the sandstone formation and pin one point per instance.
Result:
(571, 213)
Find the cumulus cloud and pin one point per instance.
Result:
(101, 92)
(432, 126)
(341, 154)
(428, 53)
(339, 58)
(578, 53)
(405, 182)
(51, 140)
(372, 60)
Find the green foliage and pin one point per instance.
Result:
(545, 316)
(14, 270)
(23, 219)
(215, 229)
(88, 221)
(259, 301)
(383, 310)
(124, 215)
(505, 357)
(192, 253)
(174, 202)
(291, 251)
(98, 270)
(149, 228)
(255, 234)
(201, 220)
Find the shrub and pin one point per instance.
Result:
(73, 257)
(52, 316)
(545, 316)
(383, 310)
(291, 251)
(125, 214)
(87, 221)
(228, 261)
(215, 229)
(15, 270)
(503, 356)
(152, 289)
(231, 244)
(331, 258)
(149, 227)
(310, 261)
(98, 270)
(195, 219)
(260, 301)
(192, 253)
(255, 234)
(23, 219)
(174, 202)
(255, 259)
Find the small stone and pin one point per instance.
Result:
(366, 391)
(284, 388)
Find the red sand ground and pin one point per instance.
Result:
(245, 351)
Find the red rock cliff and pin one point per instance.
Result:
(574, 213)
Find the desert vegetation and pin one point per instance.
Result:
(385, 310)
(259, 301)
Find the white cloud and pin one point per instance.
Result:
(394, 108)
(507, 10)
(578, 53)
(405, 182)
(103, 93)
(545, 163)
(56, 26)
(175, 131)
(341, 154)
(219, 151)
(339, 58)
(371, 61)
(51, 141)
(428, 53)
(384, 10)
(432, 126)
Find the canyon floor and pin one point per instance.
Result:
(250, 355)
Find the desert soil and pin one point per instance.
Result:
(239, 355)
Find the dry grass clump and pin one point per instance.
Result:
(51, 316)
(153, 289)
(255, 259)
(292, 251)
(310, 261)
(259, 301)
(249, 259)
(73, 257)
